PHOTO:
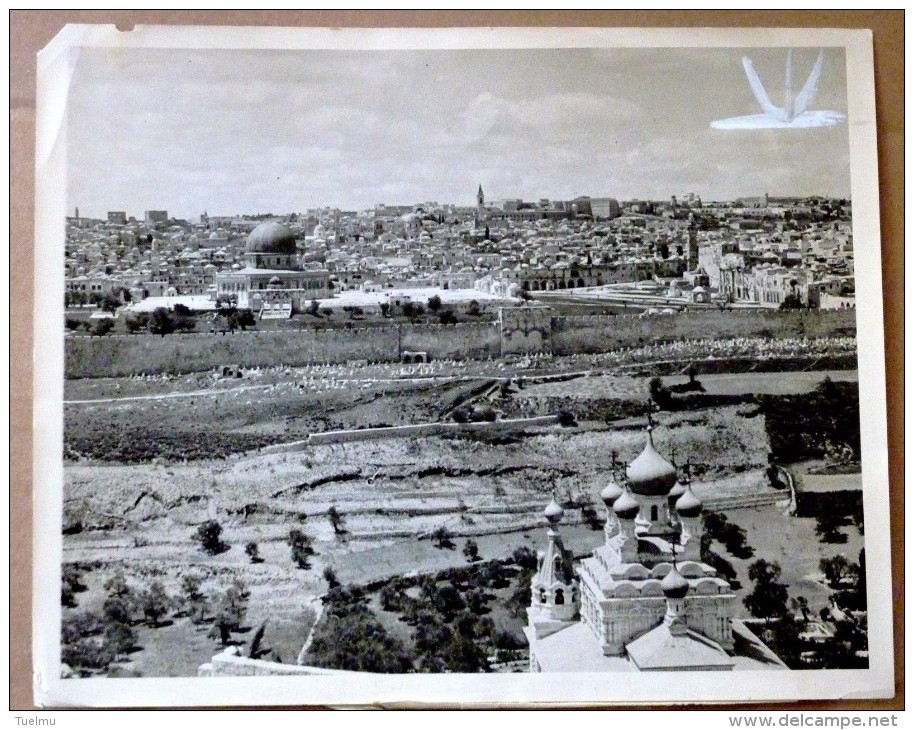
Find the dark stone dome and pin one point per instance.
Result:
(271, 238)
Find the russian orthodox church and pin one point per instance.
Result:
(644, 600)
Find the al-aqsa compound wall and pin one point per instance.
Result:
(525, 330)
(113, 356)
(599, 333)
(520, 331)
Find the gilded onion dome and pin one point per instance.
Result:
(676, 492)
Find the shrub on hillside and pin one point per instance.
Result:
(301, 547)
(137, 323)
(155, 603)
(102, 327)
(71, 584)
(253, 552)
(209, 535)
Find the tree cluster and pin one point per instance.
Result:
(209, 535)
(164, 322)
(768, 598)
(91, 642)
(732, 536)
(230, 609)
(828, 527)
(814, 425)
(847, 647)
(302, 549)
(71, 584)
(447, 612)
(351, 637)
(474, 413)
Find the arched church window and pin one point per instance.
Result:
(654, 513)
(542, 595)
(559, 597)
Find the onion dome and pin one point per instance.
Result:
(676, 492)
(650, 474)
(611, 492)
(626, 506)
(688, 505)
(674, 585)
(271, 238)
(553, 512)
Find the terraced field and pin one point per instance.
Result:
(392, 494)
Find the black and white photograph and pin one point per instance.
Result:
(462, 366)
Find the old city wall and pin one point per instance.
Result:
(599, 333)
(117, 355)
(464, 341)
(111, 356)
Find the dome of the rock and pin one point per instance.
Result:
(271, 238)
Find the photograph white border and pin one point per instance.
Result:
(55, 65)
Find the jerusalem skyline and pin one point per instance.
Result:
(280, 131)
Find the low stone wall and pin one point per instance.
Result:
(843, 503)
(419, 430)
(230, 664)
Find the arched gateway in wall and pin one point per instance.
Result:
(525, 330)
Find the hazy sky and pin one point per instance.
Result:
(231, 131)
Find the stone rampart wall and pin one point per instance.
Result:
(599, 333)
(118, 355)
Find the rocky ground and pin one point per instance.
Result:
(392, 494)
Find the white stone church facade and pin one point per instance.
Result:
(644, 600)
